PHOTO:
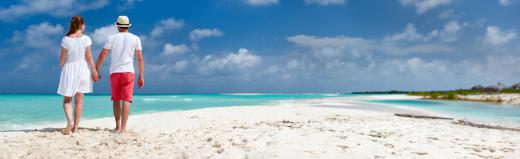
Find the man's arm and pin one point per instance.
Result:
(100, 60)
(140, 67)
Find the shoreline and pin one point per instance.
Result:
(332, 101)
(500, 98)
(308, 128)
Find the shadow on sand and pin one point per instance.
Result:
(54, 130)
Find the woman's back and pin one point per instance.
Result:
(76, 47)
(75, 75)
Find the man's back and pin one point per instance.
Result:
(122, 48)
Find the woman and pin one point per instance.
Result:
(77, 71)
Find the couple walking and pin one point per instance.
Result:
(78, 71)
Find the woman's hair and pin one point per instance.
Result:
(75, 24)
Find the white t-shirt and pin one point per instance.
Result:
(122, 48)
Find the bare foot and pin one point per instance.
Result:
(117, 129)
(74, 130)
(67, 130)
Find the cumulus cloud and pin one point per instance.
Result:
(331, 47)
(325, 2)
(166, 26)
(409, 34)
(37, 42)
(171, 50)
(38, 35)
(180, 66)
(232, 61)
(451, 31)
(495, 36)
(127, 4)
(58, 8)
(423, 6)
(199, 34)
(261, 2)
(101, 34)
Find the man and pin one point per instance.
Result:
(122, 47)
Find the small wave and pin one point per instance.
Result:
(166, 99)
(331, 94)
(244, 94)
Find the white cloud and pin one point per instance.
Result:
(261, 2)
(504, 2)
(199, 34)
(37, 43)
(170, 50)
(127, 4)
(240, 60)
(325, 2)
(450, 32)
(495, 36)
(330, 47)
(341, 46)
(180, 66)
(446, 14)
(49, 7)
(38, 35)
(408, 34)
(101, 34)
(425, 5)
(166, 26)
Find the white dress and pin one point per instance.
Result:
(75, 74)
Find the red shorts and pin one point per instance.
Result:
(122, 86)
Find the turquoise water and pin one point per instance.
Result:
(486, 112)
(18, 111)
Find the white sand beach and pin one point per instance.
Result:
(504, 98)
(315, 128)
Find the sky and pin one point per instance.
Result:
(274, 46)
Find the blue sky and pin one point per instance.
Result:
(280, 46)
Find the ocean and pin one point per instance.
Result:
(504, 114)
(19, 111)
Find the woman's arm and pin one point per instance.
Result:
(90, 61)
(63, 56)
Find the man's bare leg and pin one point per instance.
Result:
(125, 113)
(117, 114)
(78, 110)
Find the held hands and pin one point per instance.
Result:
(95, 76)
(140, 82)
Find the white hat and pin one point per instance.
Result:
(123, 21)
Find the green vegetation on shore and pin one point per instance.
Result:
(455, 94)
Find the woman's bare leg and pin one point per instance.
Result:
(125, 113)
(78, 110)
(67, 108)
(117, 114)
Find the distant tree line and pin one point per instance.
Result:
(453, 94)
(478, 89)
